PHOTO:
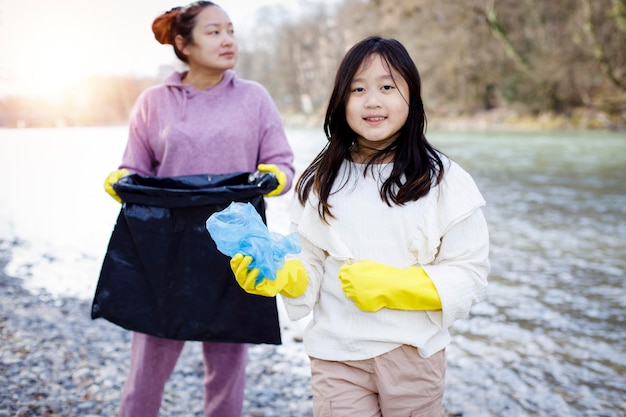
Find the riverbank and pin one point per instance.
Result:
(506, 119)
(501, 118)
(56, 361)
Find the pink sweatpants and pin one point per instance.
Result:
(399, 383)
(152, 361)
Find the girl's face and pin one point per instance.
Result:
(377, 105)
(214, 47)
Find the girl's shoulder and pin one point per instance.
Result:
(454, 175)
(456, 196)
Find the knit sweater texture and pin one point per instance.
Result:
(444, 232)
(233, 126)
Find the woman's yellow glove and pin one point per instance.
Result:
(372, 286)
(112, 179)
(291, 280)
(280, 176)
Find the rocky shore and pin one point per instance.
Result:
(55, 361)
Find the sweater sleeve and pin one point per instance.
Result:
(460, 269)
(138, 156)
(455, 242)
(274, 146)
(312, 258)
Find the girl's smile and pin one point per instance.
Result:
(374, 120)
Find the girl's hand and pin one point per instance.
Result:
(291, 280)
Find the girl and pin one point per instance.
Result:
(394, 246)
(203, 120)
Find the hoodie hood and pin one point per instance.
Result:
(184, 92)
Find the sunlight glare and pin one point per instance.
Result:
(50, 73)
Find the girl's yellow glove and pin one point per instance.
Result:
(280, 176)
(291, 280)
(372, 286)
(112, 179)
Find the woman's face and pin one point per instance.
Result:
(377, 105)
(214, 47)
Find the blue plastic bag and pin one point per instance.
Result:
(239, 229)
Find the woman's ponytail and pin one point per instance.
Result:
(163, 25)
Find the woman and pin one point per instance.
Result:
(203, 120)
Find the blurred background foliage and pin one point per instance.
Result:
(561, 59)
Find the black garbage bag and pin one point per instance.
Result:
(162, 273)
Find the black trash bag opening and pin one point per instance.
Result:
(162, 273)
(194, 190)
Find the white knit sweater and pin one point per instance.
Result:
(444, 232)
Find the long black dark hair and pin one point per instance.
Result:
(417, 165)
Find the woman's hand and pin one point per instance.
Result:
(280, 176)
(111, 179)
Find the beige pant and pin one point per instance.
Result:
(399, 383)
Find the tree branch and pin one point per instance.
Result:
(598, 50)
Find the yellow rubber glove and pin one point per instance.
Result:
(112, 179)
(372, 286)
(280, 176)
(291, 280)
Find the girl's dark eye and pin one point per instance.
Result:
(388, 87)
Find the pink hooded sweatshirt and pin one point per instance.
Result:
(231, 127)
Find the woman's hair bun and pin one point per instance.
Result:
(163, 24)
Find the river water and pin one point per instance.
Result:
(549, 340)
